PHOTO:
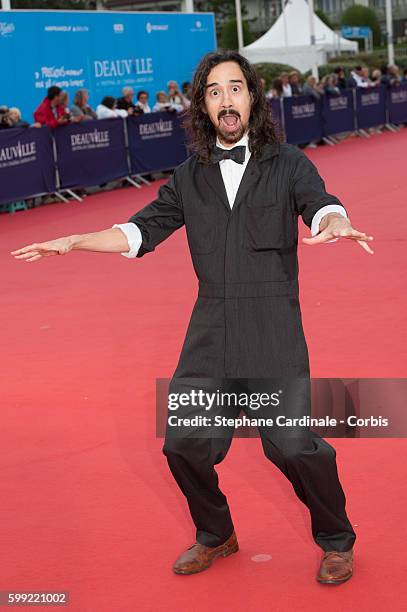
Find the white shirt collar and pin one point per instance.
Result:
(243, 141)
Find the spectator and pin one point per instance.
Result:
(296, 87)
(329, 84)
(126, 102)
(186, 90)
(404, 77)
(142, 102)
(177, 99)
(51, 112)
(277, 88)
(390, 75)
(341, 79)
(365, 76)
(162, 103)
(394, 75)
(107, 109)
(356, 78)
(311, 88)
(5, 122)
(376, 77)
(80, 109)
(14, 114)
(286, 86)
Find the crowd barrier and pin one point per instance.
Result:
(37, 161)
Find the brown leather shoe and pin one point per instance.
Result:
(336, 567)
(199, 557)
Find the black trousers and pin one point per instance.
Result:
(306, 459)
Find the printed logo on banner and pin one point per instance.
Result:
(60, 76)
(118, 28)
(399, 97)
(302, 111)
(198, 27)
(6, 29)
(96, 139)
(123, 67)
(338, 103)
(157, 129)
(66, 28)
(18, 154)
(150, 27)
(370, 99)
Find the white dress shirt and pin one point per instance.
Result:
(232, 174)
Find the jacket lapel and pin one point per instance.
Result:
(213, 178)
(251, 175)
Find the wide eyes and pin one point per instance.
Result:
(216, 92)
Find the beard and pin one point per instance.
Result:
(230, 128)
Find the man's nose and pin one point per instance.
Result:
(226, 100)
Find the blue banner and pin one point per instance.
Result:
(26, 163)
(99, 51)
(338, 113)
(397, 103)
(156, 142)
(302, 119)
(370, 106)
(91, 153)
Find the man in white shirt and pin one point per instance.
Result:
(239, 197)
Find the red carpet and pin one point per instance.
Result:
(88, 504)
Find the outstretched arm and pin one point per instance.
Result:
(310, 197)
(111, 240)
(140, 235)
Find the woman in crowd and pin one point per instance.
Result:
(80, 109)
(329, 84)
(107, 109)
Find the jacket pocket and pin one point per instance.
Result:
(201, 231)
(268, 227)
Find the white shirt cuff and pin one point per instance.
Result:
(134, 238)
(317, 218)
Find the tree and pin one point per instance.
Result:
(223, 10)
(229, 34)
(358, 15)
(324, 18)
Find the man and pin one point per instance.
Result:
(357, 79)
(239, 197)
(286, 85)
(51, 112)
(126, 102)
(296, 87)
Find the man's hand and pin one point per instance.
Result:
(334, 226)
(35, 251)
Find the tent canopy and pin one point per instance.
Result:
(288, 40)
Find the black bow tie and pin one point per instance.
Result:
(237, 154)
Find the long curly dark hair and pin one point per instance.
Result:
(201, 132)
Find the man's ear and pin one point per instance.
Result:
(203, 108)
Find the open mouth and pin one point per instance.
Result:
(229, 122)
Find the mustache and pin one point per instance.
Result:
(228, 111)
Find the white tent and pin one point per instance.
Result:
(289, 41)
